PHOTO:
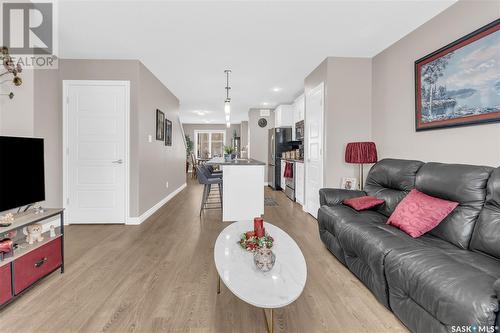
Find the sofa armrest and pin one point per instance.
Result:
(335, 196)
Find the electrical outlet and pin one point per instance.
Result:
(150, 138)
(166, 184)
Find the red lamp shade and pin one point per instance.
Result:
(361, 152)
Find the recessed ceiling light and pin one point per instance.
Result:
(201, 112)
(264, 103)
(276, 89)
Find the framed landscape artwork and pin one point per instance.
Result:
(160, 125)
(168, 132)
(459, 84)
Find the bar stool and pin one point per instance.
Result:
(207, 170)
(205, 178)
(212, 170)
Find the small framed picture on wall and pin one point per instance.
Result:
(160, 125)
(168, 132)
(349, 183)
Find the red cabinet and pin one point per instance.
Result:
(5, 284)
(36, 264)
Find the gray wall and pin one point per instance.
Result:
(258, 136)
(158, 164)
(244, 137)
(347, 111)
(146, 94)
(394, 100)
(16, 115)
(190, 128)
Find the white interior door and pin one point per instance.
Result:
(314, 148)
(96, 116)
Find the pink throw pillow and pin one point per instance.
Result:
(363, 203)
(419, 213)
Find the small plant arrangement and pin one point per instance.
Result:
(189, 146)
(228, 153)
(10, 68)
(228, 150)
(250, 242)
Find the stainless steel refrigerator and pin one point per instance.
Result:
(279, 141)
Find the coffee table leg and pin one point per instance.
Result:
(269, 322)
(218, 284)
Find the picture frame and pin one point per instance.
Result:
(168, 132)
(349, 183)
(459, 84)
(160, 125)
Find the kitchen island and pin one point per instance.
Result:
(242, 188)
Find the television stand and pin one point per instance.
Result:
(30, 263)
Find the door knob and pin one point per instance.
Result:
(120, 161)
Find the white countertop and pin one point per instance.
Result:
(236, 161)
(274, 289)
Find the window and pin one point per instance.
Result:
(209, 144)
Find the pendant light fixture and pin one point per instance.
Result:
(227, 102)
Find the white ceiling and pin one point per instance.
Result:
(267, 45)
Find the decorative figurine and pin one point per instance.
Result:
(33, 233)
(6, 245)
(264, 259)
(52, 231)
(38, 209)
(6, 220)
(6, 248)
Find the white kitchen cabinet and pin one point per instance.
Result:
(283, 116)
(298, 112)
(299, 182)
(282, 173)
(300, 106)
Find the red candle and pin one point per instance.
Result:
(260, 232)
(258, 223)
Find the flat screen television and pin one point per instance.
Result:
(22, 179)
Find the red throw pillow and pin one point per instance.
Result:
(362, 203)
(419, 213)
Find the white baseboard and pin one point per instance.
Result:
(152, 210)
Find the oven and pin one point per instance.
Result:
(290, 184)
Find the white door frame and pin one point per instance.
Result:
(320, 86)
(65, 102)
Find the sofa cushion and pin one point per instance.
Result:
(391, 180)
(419, 213)
(331, 219)
(326, 224)
(455, 286)
(465, 184)
(363, 203)
(366, 245)
(486, 235)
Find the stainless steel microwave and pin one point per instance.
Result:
(299, 130)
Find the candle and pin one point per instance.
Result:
(260, 232)
(258, 227)
(258, 223)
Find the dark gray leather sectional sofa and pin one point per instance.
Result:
(447, 277)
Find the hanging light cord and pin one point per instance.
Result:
(227, 71)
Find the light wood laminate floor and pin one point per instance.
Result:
(160, 277)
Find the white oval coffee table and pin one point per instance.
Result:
(274, 289)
